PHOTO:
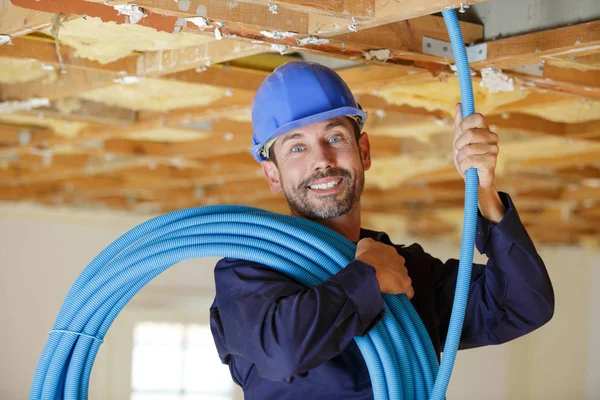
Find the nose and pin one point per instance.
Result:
(324, 157)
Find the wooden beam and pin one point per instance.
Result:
(224, 77)
(14, 135)
(151, 63)
(93, 134)
(87, 111)
(234, 105)
(214, 144)
(583, 193)
(44, 50)
(334, 8)
(17, 21)
(105, 12)
(255, 16)
(531, 48)
(71, 83)
(256, 22)
(162, 62)
(563, 161)
(383, 13)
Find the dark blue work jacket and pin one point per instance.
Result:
(284, 341)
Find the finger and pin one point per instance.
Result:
(482, 162)
(457, 119)
(473, 121)
(474, 150)
(477, 135)
(410, 292)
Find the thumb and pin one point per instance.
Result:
(458, 118)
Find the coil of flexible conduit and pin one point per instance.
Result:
(398, 352)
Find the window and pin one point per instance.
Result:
(176, 361)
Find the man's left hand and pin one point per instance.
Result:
(475, 146)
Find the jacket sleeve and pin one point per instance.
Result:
(286, 329)
(509, 297)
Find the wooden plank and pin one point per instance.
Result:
(44, 50)
(17, 21)
(531, 48)
(385, 12)
(255, 22)
(164, 62)
(93, 134)
(38, 161)
(234, 105)
(150, 63)
(408, 35)
(581, 83)
(371, 78)
(334, 8)
(214, 144)
(582, 194)
(251, 15)
(224, 77)
(564, 161)
(13, 135)
(105, 12)
(536, 125)
(87, 111)
(71, 83)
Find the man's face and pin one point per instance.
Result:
(320, 168)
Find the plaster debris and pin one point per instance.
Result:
(179, 25)
(281, 48)
(312, 40)
(25, 105)
(24, 137)
(233, 4)
(277, 35)
(201, 11)
(273, 8)
(496, 81)
(218, 34)
(5, 39)
(352, 27)
(455, 69)
(379, 55)
(200, 22)
(135, 13)
(129, 80)
(184, 5)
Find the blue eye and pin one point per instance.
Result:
(334, 139)
(296, 149)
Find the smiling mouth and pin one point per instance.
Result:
(325, 186)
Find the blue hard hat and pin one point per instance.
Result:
(297, 94)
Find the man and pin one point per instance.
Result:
(284, 341)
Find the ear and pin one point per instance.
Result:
(364, 147)
(272, 174)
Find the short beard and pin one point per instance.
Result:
(330, 208)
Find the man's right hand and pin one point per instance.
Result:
(391, 273)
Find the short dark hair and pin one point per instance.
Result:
(355, 127)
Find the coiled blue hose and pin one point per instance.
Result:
(400, 357)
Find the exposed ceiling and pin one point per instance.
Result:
(149, 117)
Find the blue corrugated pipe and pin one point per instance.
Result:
(398, 351)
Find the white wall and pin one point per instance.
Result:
(42, 252)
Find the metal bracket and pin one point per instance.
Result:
(533, 69)
(435, 47)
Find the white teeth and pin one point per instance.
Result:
(324, 186)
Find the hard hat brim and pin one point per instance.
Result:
(299, 123)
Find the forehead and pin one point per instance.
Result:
(319, 127)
